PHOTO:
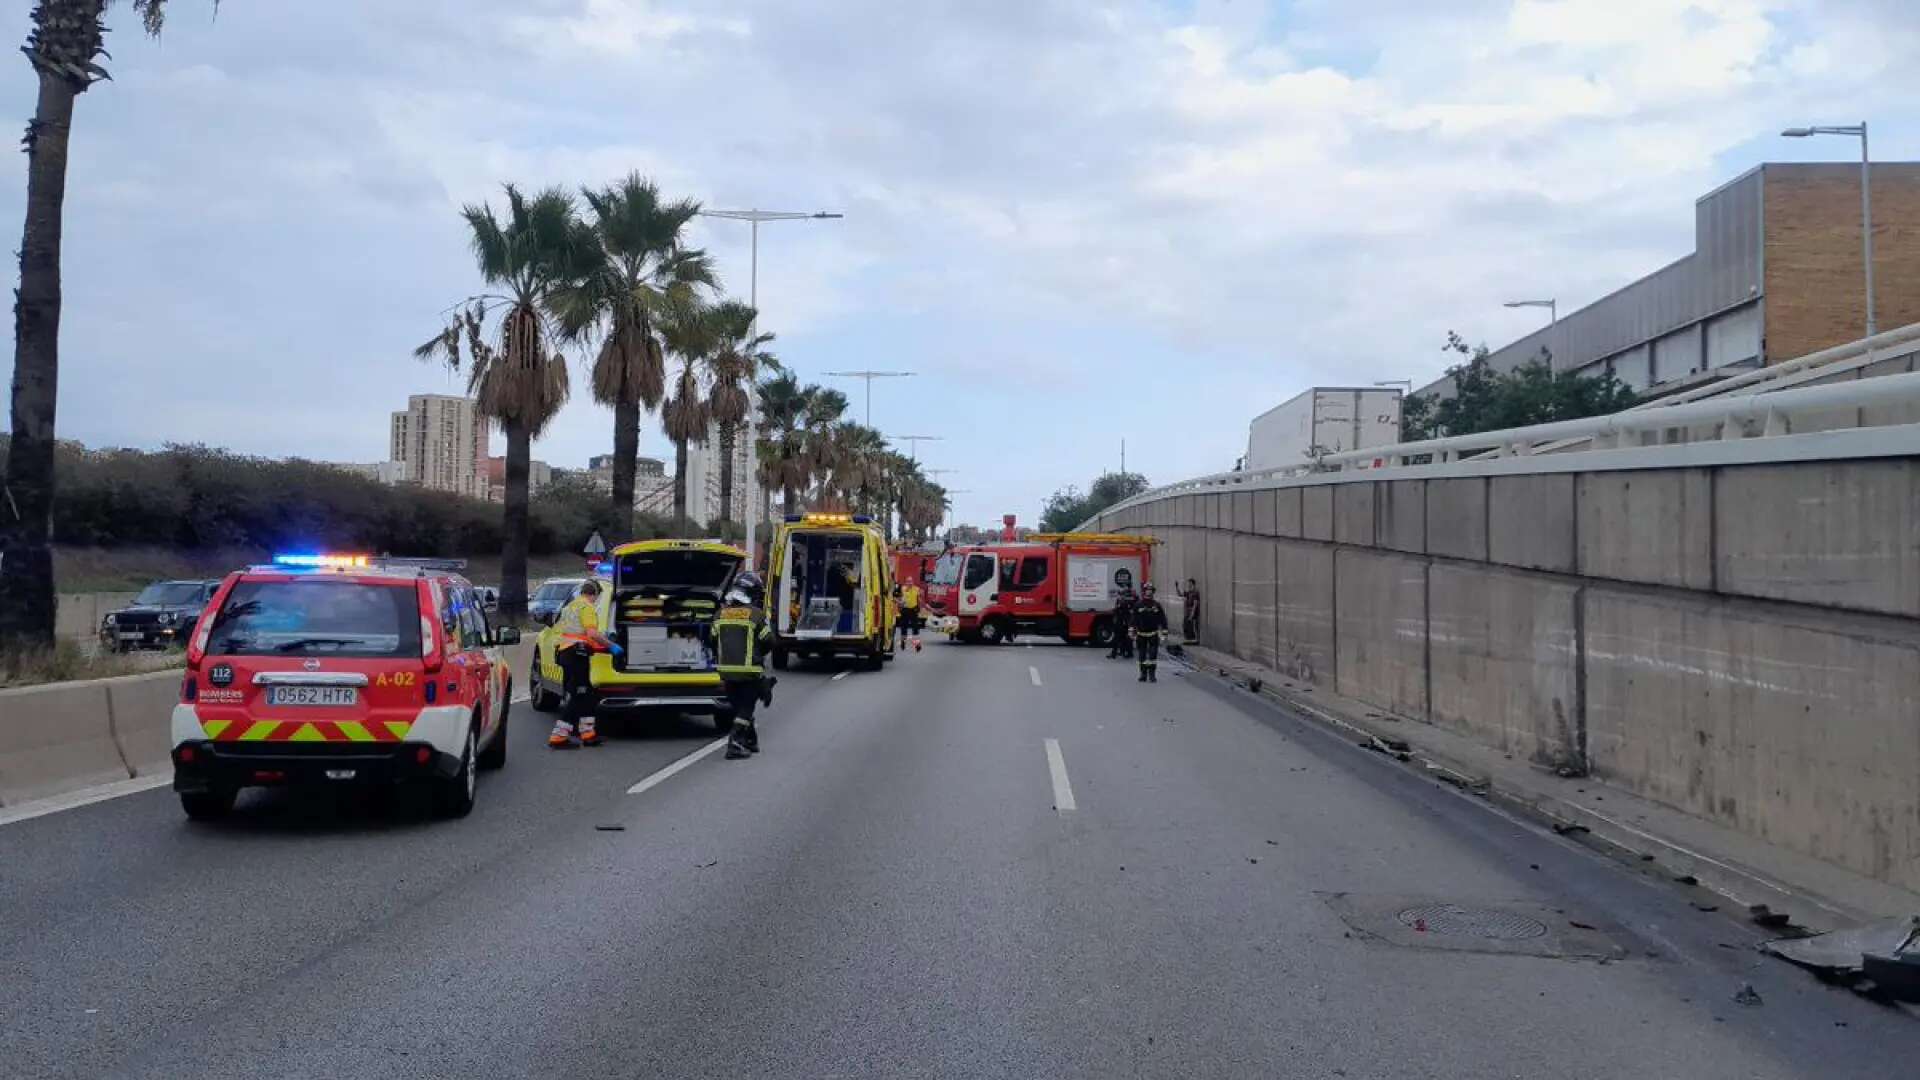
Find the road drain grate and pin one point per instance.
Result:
(1461, 921)
(1510, 927)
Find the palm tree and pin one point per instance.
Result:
(520, 381)
(794, 440)
(783, 411)
(850, 458)
(689, 330)
(739, 359)
(642, 268)
(64, 46)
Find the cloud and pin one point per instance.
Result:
(1078, 221)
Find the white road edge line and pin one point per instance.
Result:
(840, 676)
(73, 800)
(1034, 674)
(1057, 765)
(667, 773)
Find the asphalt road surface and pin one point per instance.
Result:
(982, 861)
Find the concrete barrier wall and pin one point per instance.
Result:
(56, 739)
(1740, 641)
(69, 736)
(77, 615)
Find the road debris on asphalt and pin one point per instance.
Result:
(1880, 958)
(609, 828)
(1747, 996)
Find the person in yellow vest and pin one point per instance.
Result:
(909, 620)
(580, 638)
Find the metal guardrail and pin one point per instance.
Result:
(1753, 404)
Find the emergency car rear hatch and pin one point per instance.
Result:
(664, 603)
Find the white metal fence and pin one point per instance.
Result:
(1834, 389)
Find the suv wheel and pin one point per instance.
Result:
(453, 797)
(495, 755)
(544, 700)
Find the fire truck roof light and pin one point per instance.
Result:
(321, 561)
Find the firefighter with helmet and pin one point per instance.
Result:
(740, 636)
(580, 638)
(1149, 626)
(1122, 622)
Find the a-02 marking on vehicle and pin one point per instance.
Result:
(397, 678)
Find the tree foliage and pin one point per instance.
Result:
(198, 497)
(1067, 507)
(1487, 400)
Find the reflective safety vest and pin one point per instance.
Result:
(736, 644)
(575, 620)
(910, 596)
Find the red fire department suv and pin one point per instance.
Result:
(341, 669)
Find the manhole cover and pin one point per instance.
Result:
(1488, 923)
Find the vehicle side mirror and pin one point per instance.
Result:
(507, 635)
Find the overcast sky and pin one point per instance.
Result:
(1078, 220)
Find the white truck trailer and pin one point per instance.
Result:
(1323, 420)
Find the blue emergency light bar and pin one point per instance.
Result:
(329, 562)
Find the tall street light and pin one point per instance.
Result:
(1866, 200)
(753, 391)
(1552, 306)
(869, 376)
(914, 442)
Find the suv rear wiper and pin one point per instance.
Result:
(301, 643)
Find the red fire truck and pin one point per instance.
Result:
(1055, 584)
(912, 565)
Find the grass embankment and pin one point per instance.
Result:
(70, 660)
(126, 569)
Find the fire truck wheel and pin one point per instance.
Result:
(1102, 634)
(996, 632)
(780, 659)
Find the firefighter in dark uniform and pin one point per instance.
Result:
(740, 635)
(1122, 624)
(1149, 626)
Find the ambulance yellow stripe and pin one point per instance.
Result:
(213, 728)
(355, 731)
(259, 731)
(306, 733)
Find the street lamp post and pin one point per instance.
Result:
(753, 391)
(869, 376)
(913, 443)
(1552, 306)
(1866, 200)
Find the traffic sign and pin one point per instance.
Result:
(595, 545)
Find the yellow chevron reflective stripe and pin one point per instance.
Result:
(213, 728)
(399, 728)
(259, 731)
(306, 733)
(355, 732)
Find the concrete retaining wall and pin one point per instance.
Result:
(68, 736)
(1738, 641)
(77, 615)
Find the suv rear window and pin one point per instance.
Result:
(317, 618)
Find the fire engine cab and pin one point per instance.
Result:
(330, 669)
(1057, 584)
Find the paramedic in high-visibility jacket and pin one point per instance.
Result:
(740, 637)
(580, 638)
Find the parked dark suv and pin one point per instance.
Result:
(161, 616)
